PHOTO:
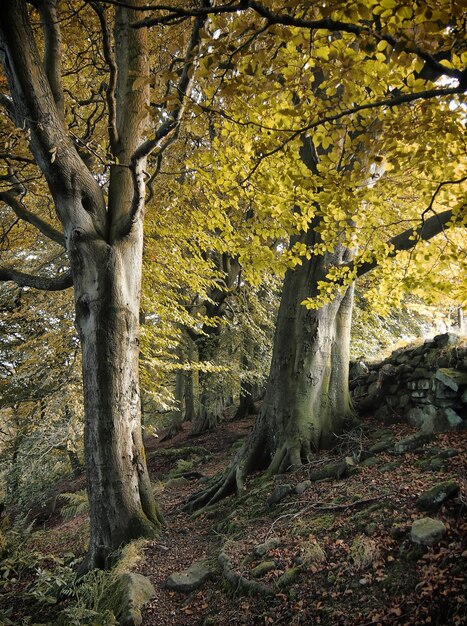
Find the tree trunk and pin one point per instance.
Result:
(307, 400)
(246, 406)
(211, 402)
(107, 290)
(189, 386)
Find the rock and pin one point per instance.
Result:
(422, 417)
(450, 416)
(432, 499)
(382, 434)
(270, 544)
(302, 487)
(126, 597)
(370, 462)
(364, 455)
(288, 577)
(357, 369)
(397, 532)
(454, 379)
(388, 467)
(339, 469)
(447, 339)
(176, 482)
(381, 446)
(427, 531)
(192, 578)
(279, 493)
(386, 415)
(431, 465)
(448, 453)
(262, 569)
(414, 442)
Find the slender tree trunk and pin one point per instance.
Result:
(211, 402)
(189, 386)
(307, 400)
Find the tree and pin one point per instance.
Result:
(355, 167)
(101, 212)
(102, 230)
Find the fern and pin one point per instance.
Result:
(77, 503)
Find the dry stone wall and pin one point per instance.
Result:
(425, 386)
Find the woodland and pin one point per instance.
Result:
(209, 210)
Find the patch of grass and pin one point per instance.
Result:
(363, 552)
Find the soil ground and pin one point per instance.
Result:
(344, 543)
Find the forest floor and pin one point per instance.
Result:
(333, 552)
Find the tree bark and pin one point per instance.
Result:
(211, 404)
(307, 401)
(104, 246)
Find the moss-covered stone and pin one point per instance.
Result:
(126, 597)
(192, 578)
(434, 498)
(288, 577)
(262, 568)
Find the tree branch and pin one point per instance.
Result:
(177, 13)
(111, 89)
(34, 109)
(388, 102)
(20, 211)
(44, 283)
(409, 238)
(52, 50)
(163, 135)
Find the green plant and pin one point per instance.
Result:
(76, 503)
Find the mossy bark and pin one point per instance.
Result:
(307, 400)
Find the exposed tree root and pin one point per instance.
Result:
(239, 583)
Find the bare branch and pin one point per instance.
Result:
(20, 211)
(44, 283)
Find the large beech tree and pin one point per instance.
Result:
(100, 206)
(102, 232)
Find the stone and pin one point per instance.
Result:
(388, 467)
(397, 532)
(263, 568)
(381, 446)
(288, 577)
(373, 461)
(386, 415)
(432, 499)
(454, 379)
(427, 531)
(303, 486)
(356, 369)
(414, 442)
(279, 493)
(448, 453)
(419, 416)
(191, 578)
(126, 597)
(263, 548)
(446, 339)
(339, 469)
(431, 465)
(464, 397)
